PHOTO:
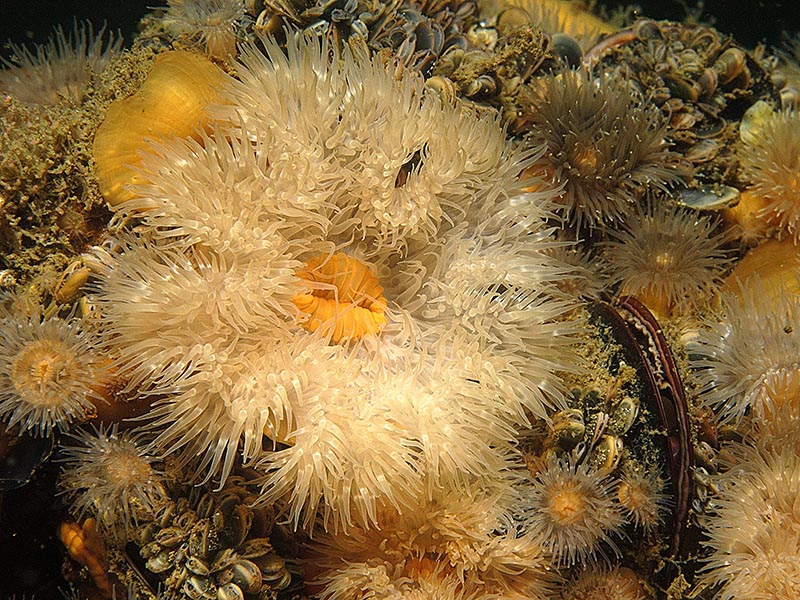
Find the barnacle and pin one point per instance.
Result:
(172, 102)
(346, 300)
(60, 69)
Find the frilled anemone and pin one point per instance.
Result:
(59, 69)
(287, 279)
(771, 163)
(605, 144)
(747, 360)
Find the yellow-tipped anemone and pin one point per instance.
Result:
(171, 103)
(346, 299)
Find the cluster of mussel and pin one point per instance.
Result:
(415, 33)
(204, 544)
(703, 82)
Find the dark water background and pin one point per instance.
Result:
(749, 21)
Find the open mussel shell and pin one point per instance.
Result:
(716, 197)
(171, 103)
(20, 455)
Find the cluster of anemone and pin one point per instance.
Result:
(323, 271)
(754, 531)
(59, 69)
(605, 145)
(345, 264)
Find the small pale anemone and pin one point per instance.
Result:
(641, 494)
(50, 372)
(603, 583)
(754, 532)
(770, 163)
(212, 23)
(573, 509)
(456, 534)
(59, 69)
(605, 145)
(668, 257)
(108, 476)
(750, 359)
(585, 280)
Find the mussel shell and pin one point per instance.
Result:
(512, 18)
(567, 48)
(20, 455)
(230, 591)
(709, 197)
